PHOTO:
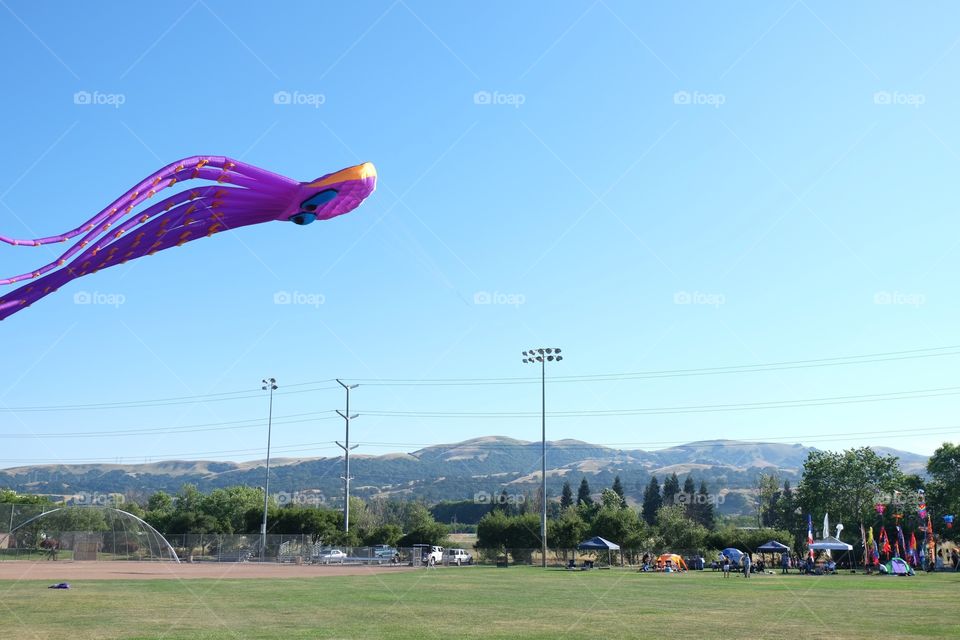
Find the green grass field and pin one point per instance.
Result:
(479, 602)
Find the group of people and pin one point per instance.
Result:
(746, 564)
(945, 561)
(948, 560)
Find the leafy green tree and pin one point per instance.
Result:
(74, 519)
(615, 523)
(421, 528)
(746, 539)
(227, 507)
(188, 515)
(133, 508)
(678, 531)
(689, 494)
(943, 490)
(768, 495)
(618, 489)
(566, 496)
(523, 536)
(704, 512)
(361, 518)
(492, 531)
(9, 496)
(785, 515)
(384, 534)
(583, 493)
(567, 531)
(159, 510)
(505, 504)
(847, 485)
(652, 501)
(610, 499)
(160, 501)
(671, 488)
(324, 525)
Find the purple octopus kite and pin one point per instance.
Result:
(118, 234)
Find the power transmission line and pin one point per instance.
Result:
(500, 415)
(194, 428)
(705, 408)
(158, 402)
(929, 352)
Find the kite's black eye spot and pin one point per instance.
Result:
(304, 217)
(317, 199)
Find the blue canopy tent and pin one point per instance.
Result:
(597, 543)
(773, 547)
(733, 555)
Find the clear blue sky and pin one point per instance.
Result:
(787, 168)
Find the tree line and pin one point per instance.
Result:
(848, 485)
(672, 516)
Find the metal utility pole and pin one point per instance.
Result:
(347, 417)
(543, 356)
(269, 384)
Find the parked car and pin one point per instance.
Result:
(457, 557)
(385, 553)
(329, 556)
(432, 555)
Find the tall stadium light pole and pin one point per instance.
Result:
(346, 455)
(542, 357)
(269, 384)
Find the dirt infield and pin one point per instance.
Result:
(123, 570)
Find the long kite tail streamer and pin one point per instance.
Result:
(240, 195)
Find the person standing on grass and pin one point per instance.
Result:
(746, 565)
(955, 558)
(726, 567)
(784, 563)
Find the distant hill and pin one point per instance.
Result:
(458, 471)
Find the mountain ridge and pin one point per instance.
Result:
(452, 471)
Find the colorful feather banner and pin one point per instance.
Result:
(885, 543)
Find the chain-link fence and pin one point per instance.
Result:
(35, 532)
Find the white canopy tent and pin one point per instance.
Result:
(831, 544)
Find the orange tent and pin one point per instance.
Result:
(675, 561)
